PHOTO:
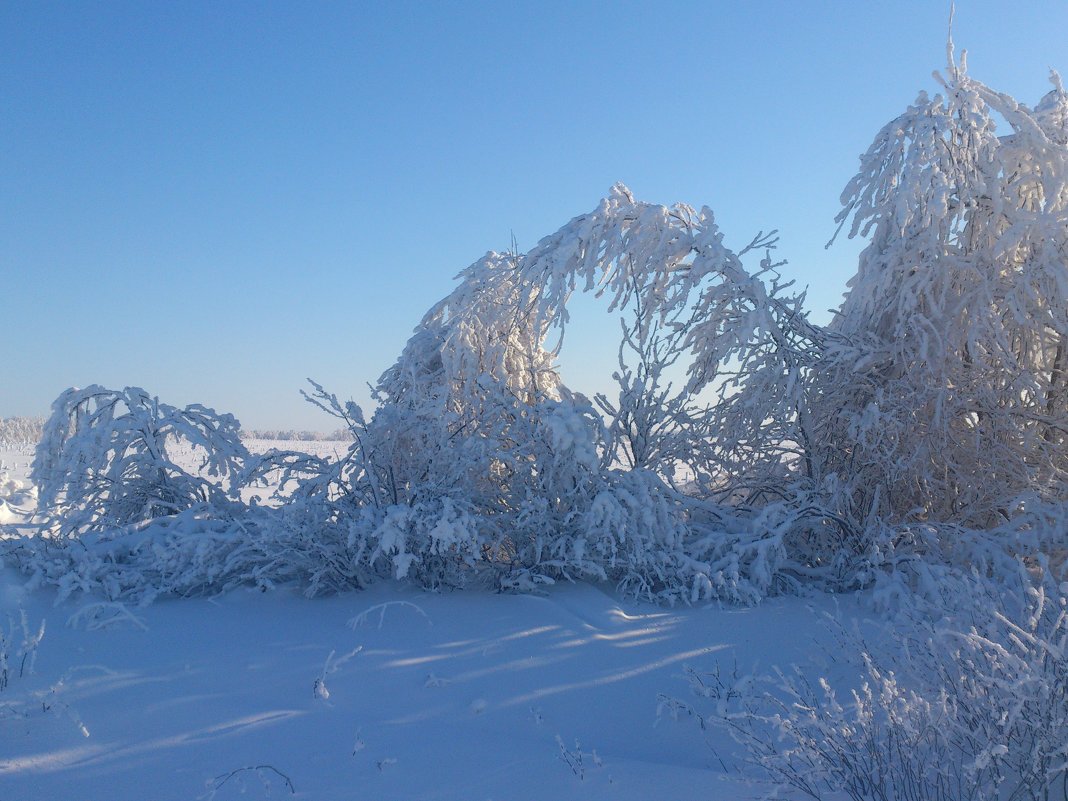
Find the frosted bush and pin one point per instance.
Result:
(941, 395)
(968, 700)
(104, 460)
(475, 411)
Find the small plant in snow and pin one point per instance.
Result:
(18, 649)
(576, 759)
(267, 776)
(362, 618)
(104, 615)
(18, 656)
(52, 699)
(332, 665)
(435, 681)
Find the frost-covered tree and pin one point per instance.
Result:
(942, 392)
(474, 411)
(107, 459)
(733, 421)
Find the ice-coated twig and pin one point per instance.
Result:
(331, 666)
(575, 759)
(217, 783)
(362, 618)
(104, 614)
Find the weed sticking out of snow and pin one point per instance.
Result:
(362, 618)
(262, 777)
(103, 615)
(575, 758)
(18, 660)
(435, 681)
(332, 665)
(18, 648)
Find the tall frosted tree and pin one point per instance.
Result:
(942, 393)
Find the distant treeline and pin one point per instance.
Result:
(20, 430)
(303, 436)
(27, 431)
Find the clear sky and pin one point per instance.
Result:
(215, 200)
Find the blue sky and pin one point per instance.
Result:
(216, 200)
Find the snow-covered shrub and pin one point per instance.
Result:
(663, 545)
(1007, 674)
(351, 521)
(884, 742)
(934, 407)
(942, 394)
(17, 497)
(474, 411)
(969, 701)
(191, 553)
(104, 460)
(480, 461)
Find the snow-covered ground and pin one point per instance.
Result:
(386, 694)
